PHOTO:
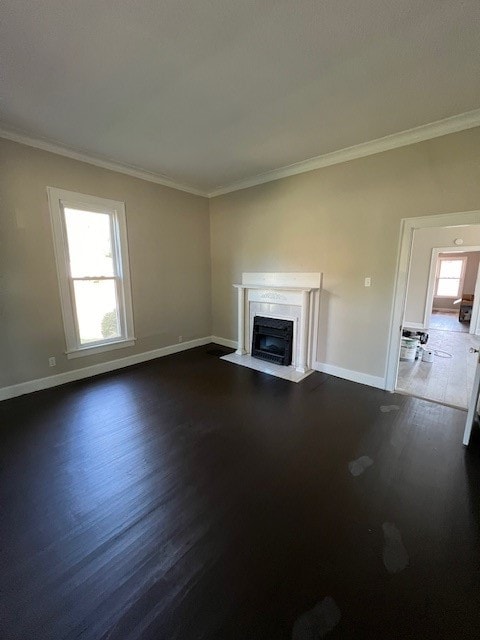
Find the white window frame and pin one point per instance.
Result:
(58, 199)
(441, 259)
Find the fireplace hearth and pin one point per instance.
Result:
(272, 340)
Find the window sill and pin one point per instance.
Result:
(100, 348)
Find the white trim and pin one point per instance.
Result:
(348, 374)
(96, 369)
(105, 163)
(475, 318)
(453, 124)
(416, 326)
(90, 351)
(339, 372)
(472, 411)
(87, 372)
(58, 200)
(225, 342)
(282, 280)
(430, 289)
(407, 227)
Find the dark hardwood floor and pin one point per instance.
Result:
(189, 498)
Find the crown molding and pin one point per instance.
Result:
(453, 124)
(436, 129)
(104, 163)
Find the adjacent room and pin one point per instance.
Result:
(441, 327)
(239, 312)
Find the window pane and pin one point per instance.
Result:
(96, 304)
(451, 268)
(448, 287)
(89, 243)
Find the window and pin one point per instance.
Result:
(450, 275)
(91, 252)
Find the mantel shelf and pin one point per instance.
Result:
(275, 287)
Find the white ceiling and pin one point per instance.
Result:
(213, 92)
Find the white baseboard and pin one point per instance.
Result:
(339, 372)
(104, 367)
(112, 365)
(347, 374)
(225, 342)
(416, 326)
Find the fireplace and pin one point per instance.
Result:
(278, 316)
(272, 340)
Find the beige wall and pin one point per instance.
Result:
(424, 241)
(471, 272)
(169, 245)
(343, 220)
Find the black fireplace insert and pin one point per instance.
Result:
(272, 340)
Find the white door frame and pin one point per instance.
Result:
(407, 227)
(436, 251)
(475, 319)
(473, 404)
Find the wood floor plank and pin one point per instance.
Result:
(190, 498)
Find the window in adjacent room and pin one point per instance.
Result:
(450, 276)
(91, 251)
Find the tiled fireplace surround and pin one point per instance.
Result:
(288, 296)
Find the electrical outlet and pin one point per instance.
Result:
(52, 362)
(368, 282)
(180, 338)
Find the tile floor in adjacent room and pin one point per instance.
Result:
(448, 321)
(446, 379)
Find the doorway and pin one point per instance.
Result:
(433, 287)
(443, 367)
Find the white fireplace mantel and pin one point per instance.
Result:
(289, 296)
